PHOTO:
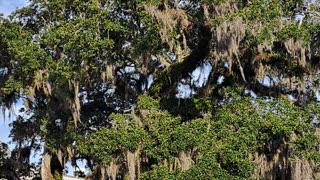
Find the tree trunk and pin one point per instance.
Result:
(46, 167)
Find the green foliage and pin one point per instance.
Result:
(146, 102)
(68, 60)
(159, 173)
(293, 31)
(108, 143)
(161, 127)
(187, 108)
(241, 127)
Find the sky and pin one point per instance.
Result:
(4, 126)
(7, 6)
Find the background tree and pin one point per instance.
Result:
(99, 80)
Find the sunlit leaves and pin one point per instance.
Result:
(241, 127)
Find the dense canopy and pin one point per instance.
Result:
(163, 89)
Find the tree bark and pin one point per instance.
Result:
(46, 167)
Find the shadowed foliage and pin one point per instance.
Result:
(161, 89)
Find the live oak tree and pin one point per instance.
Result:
(99, 82)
